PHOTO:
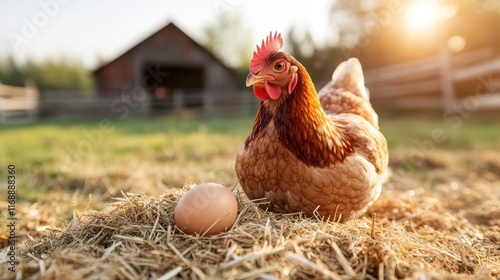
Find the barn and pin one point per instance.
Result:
(176, 72)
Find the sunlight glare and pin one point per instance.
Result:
(421, 15)
(456, 43)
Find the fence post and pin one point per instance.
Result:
(147, 104)
(208, 103)
(2, 118)
(31, 97)
(178, 101)
(446, 81)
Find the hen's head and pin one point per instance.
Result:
(272, 72)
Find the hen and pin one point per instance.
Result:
(316, 153)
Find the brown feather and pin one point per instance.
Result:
(301, 159)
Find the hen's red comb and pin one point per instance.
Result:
(272, 44)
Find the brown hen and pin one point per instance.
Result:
(316, 153)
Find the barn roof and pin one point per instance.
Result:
(170, 25)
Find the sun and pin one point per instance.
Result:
(421, 15)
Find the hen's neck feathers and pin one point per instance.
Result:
(302, 125)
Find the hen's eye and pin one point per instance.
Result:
(279, 67)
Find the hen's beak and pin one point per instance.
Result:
(253, 79)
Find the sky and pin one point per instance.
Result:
(93, 31)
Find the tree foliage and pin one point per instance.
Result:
(376, 31)
(230, 40)
(51, 74)
(10, 73)
(319, 61)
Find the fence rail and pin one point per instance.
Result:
(129, 103)
(432, 82)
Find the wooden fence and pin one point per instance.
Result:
(18, 104)
(81, 104)
(232, 103)
(124, 104)
(434, 82)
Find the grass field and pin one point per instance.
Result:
(69, 167)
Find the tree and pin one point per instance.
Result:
(377, 33)
(320, 62)
(10, 73)
(50, 74)
(230, 40)
(59, 75)
(353, 21)
(233, 43)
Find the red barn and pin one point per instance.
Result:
(176, 71)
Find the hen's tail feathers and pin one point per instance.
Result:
(346, 92)
(349, 75)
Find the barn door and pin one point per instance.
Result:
(187, 80)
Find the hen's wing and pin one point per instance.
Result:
(345, 98)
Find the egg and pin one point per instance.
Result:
(206, 209)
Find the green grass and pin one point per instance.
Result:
(402, 133)
(48, 141)
(75, 154)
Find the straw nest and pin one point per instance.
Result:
(404, 235)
